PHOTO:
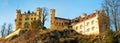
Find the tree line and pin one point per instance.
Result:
(6, 29)
(112, 9)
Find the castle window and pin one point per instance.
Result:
(20, 19)
(19, 23)
(93, 28)
(80, 26)
(20, 15)
(62, 23)
(31, 18)
(31, 14)
(26, 18)
(92, 22)
(34, 14)
(34, 18)
(76, 27)
(87, 23)
(26, 25)
(56, 23)
(88, 30)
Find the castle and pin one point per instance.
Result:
(85, 24)
(24, 20)
(57, 22)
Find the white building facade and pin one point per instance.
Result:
(92, 24)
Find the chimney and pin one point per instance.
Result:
(95, 11)
(84, 15)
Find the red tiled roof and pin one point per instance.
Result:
(84, 18)
(87, 17)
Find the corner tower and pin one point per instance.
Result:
(52, 16)
(38, 13)
(18, 19)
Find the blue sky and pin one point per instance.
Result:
(64, 8)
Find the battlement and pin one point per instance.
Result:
(23, 20)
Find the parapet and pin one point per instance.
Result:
(52, 11)
(18, 11)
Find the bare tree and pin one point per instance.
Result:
(44, 15)
(9, 30)
(40, 23)
(6, 31)
(3, 30)
(111, 8)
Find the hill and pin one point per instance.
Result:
(62, 36)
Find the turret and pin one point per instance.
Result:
(52, 13)
(38, 13)
(18, 16)
(18, 11)
(52, 16)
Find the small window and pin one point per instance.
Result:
(31, 18)
(92, 22)
(76, 27)
(20, 19)
(34, 14)
(87, 23)
(34, 18)
(26, 18)
(93, 28)
(80, 26)
(26, 25)
(62, 23)
(20, 23)
(88, 30)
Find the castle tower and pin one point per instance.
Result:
(18, 13)
(38, 13)
(52, 13)
(18, 19)
(52, 16)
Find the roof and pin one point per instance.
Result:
(87, 17)
(62, 18)
(79, 19)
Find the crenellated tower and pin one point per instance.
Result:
(52, 17)
(24, 20)
(18, 19)
(38, 13)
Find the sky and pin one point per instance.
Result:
(64, 8)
